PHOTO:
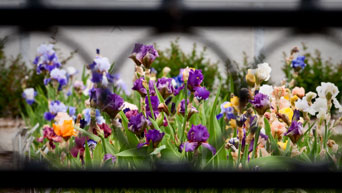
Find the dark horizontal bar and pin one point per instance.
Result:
(164, 18)
(155, 179)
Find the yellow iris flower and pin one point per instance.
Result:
(283, 145)
(235, 102)
(232, 123)
(288, 112)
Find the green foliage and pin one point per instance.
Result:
(14, 76)
(175, 58)
(316, 71)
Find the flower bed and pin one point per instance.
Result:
(93, 123)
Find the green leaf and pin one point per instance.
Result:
(274, 143)
(132, 139)
(134, 152)
(87, 155)
(160, 98)
(272, 162)
(158, 150)
(98, 154)
(256, 139)
(214, 128)
(92, 136)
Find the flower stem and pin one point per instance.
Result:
(186, 110)
(149, 104)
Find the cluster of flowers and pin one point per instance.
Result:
(258, 115)
(282, 108)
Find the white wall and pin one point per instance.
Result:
(113, 41)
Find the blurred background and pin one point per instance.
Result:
(226, 49)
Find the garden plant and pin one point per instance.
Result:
(174, 117)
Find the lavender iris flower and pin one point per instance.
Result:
(91, 144)
(46, 59)
(197, 136)
(226, 109)
(59, 75)
(72, 111)
(261, 103)
(295, 131)
(153, 136)
(99, 70)
(54, 108)
(195, 79)
(99, 118)
(119, 83)
(298, 63)
(144, 54)
(109, 156)
(201, 93)
(165, 87)
(29, 94)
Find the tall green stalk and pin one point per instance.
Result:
(185, 111)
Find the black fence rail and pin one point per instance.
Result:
(169, 179)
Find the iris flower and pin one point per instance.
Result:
(197, 136)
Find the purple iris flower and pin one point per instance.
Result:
(295, 131)
(165, 87)
(49, 116)
(109, 156)
(296, 115)
(154, 103)
(83, 123)
(298, 63)
(46, 81)
(114, 105)
(195, 79)
(261, 103)
(107, 101)
(96, 77)
(144, 54)
(181, 107)
(177, 90)
(153, 136)
(197, 136)
(139, 87)
(129, 113)
(137, 124)
(201, 93)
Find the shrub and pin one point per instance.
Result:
(316, 71)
